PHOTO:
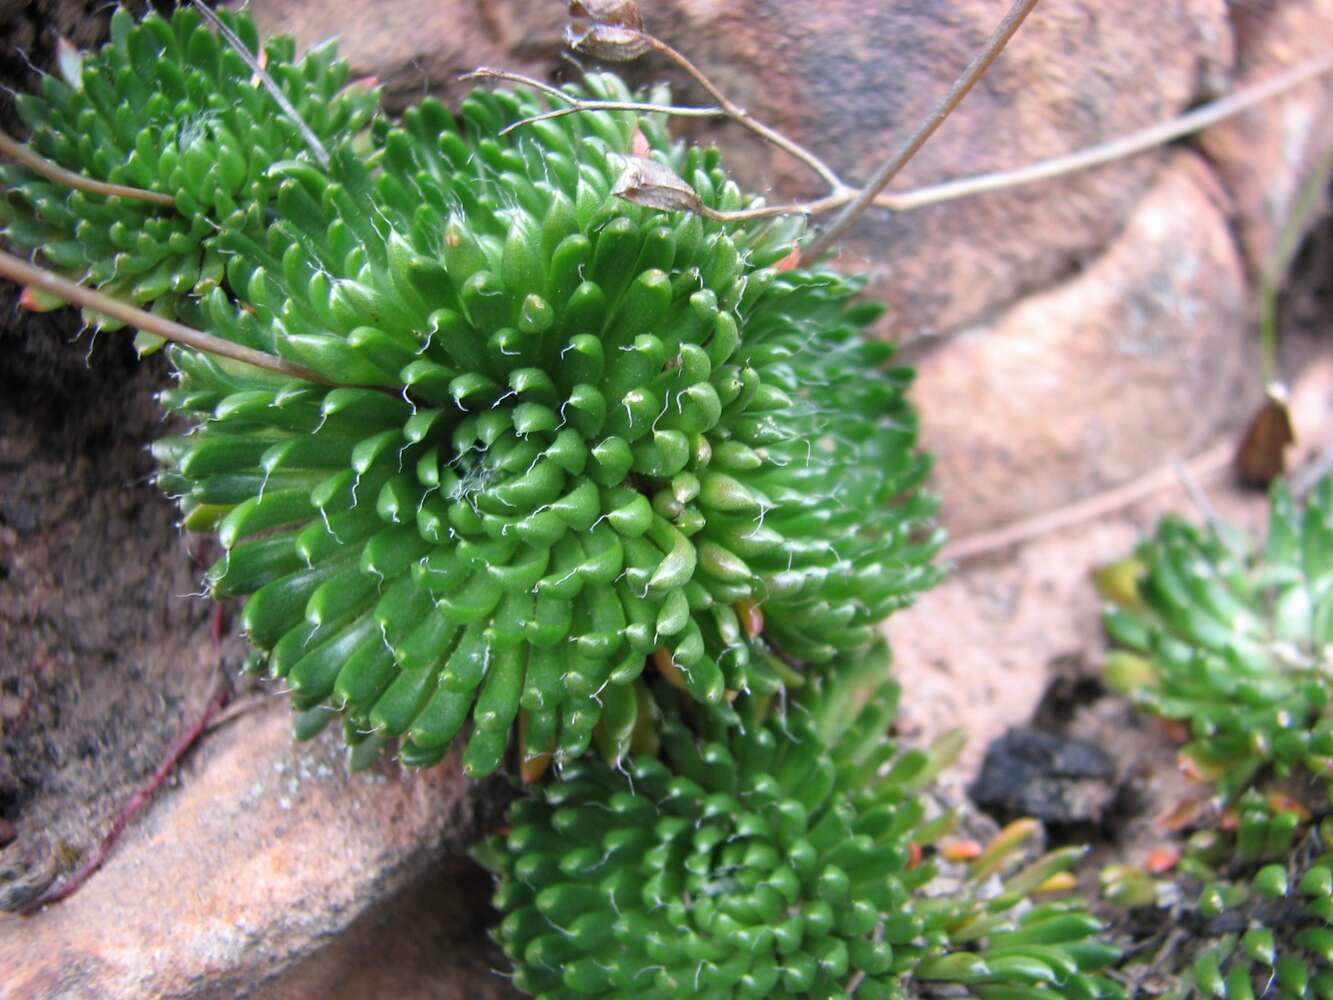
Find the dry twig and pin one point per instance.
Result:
(890, 169)
(274, 90)
(239, 707)
(853, 201)
(21, 153)
(21, 271)
(1119, 148)
(1200, 468)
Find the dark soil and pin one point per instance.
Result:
(104, 656)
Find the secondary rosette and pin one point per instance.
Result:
(169, 108)
(783, 858)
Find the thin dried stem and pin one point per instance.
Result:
(890, 169)
(1200, 469)
(816, 207)
(853, 200)
(576, 105)
(21, 153)
(288, 109)
(1116, 149)
(726, 108)
(24, 273)
(490, 73)
(1119, 148)
(746, 120)
(1196, 494)
(1200, 118)
(669, 109)
(241, 706)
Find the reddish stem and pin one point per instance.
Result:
(135, 804)
(217, 623)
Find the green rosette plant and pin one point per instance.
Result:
(1267, 935)
(169, 108)
(551, 438)
(779, 858)
(1246, 911)
(1233, 640)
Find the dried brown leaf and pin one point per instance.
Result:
(646, 182)
(608, 42)
(624, 13)
(1262, 455)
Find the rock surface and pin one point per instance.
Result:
(851, 80)
(267, 851)
(982, 649)
(1088, 330)
(1057, 779)
(1138, 358)
(1270, 156)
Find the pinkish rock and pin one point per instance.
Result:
(982, 650)
(854, 80)
(1270, 156)
(264, 854)
(1107, 375)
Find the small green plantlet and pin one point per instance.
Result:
(1233, 640)
(168, 107)
(1250, 919)
(781, 858)
(1270, 928)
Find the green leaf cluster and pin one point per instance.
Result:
(168, 107)
(567, 439)
(1267, 935)
(776, 859)
(1232, 639)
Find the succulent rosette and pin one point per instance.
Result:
(1232, 639)
(1258, 901)
(780, 858)
(169, 108)
(553, 439)
(570, 434)
(1266, 936)
(552, 435)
